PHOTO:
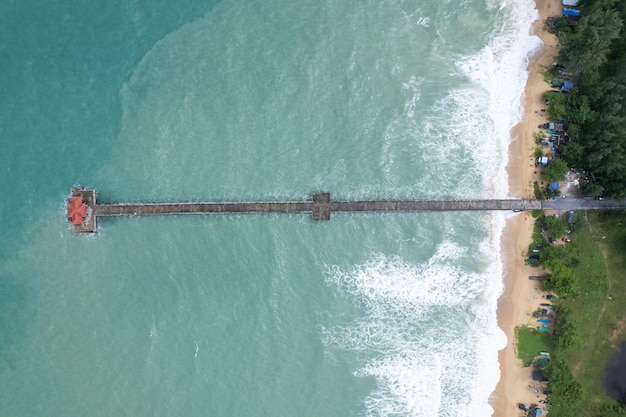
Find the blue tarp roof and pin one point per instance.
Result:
(554, 185)
(567, 85)
(571, 12)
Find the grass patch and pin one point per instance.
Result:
(601, 265)
(536, 213)
(538, 192)
(530, 342)
(596, 255)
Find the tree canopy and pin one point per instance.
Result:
(555, 171)
(594, 52)
(588, 50)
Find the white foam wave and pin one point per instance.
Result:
(428, 333)
(448, 366)
(467, 136)
(423, 21)
(501, 70)
(413, 84)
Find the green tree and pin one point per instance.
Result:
(589, 48)
(566, 254)
(560, 279)
(574, 154)
(557, 104)
(555, 171)
(594, 190)
(556, 226)
(581, 112)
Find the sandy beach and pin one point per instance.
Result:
(522, 296)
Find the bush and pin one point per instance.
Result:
(565, 388)
(560, 279)
(565, 330)
(612, 410)
(557, 108)
(538, 152)
(538, 193)
(538, 136)
(556, 226)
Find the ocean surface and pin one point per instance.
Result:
(254, 315)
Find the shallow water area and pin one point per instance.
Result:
(259, 315)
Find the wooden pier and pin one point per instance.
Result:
(320, 207)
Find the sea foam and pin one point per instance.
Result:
(426, 331)
(429, 334)
(500, 70)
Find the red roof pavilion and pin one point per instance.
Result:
(76, 210)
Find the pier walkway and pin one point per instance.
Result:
(320, 207)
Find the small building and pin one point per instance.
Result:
(542, 161)
(80, 210)
(570, 3)
(76, 210)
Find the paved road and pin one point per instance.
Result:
(582, 204)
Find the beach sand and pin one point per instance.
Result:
(522, 296)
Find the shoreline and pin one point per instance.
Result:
(522, 296)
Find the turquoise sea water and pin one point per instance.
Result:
(365, 315)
